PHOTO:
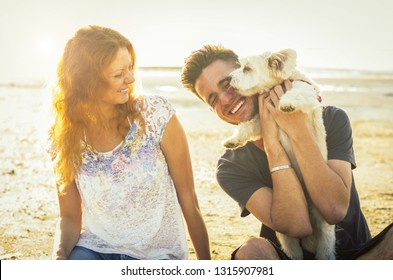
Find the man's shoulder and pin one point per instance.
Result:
(242, 159)
(333, 112)
(238, 154)
(335, 117)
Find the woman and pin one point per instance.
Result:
(121, 161)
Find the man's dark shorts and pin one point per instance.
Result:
(340, 255)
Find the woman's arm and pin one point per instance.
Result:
(70, 222)
(175, 148)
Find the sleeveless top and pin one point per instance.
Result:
(129, 200)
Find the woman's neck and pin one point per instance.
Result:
(109, 112)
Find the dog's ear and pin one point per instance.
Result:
(283, 62)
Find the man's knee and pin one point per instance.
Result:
(256, 249)
(383, 250)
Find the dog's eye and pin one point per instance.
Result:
(246, 69)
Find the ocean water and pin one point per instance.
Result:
(363, 94)
(331, 80)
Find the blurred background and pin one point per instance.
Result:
(334, 34)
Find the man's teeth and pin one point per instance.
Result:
(123, 90)
(234, 110)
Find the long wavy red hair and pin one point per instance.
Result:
(80, 81)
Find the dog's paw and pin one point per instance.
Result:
(289, 102)
(302, 97)
(230, 144)
(287, 108)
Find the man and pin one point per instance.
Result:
(276, 198)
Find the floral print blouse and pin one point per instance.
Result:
(129, 201)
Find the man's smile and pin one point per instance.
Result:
(237, 106)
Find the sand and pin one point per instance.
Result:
(28, 200)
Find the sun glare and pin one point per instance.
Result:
(46, 51)
(44, 46)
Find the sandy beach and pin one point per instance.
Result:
(28, 200)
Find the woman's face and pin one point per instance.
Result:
(119, 75)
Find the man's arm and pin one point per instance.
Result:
(328, 183)
(284, 207)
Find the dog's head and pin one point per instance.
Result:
(260, 73)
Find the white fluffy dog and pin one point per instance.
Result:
(259, 74)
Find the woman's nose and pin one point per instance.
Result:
(129, 78)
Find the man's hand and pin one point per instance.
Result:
(293, 123)
(268, 112)
(269, 126)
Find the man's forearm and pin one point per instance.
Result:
(289, 210)
(326, 187)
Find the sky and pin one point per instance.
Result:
(343, 34)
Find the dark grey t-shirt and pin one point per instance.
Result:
(243, 171)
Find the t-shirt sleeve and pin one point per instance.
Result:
(339, 135)
(240, 176)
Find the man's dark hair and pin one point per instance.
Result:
(200, 59)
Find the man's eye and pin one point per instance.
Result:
(213, 101)
(225, 84)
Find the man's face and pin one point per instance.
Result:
(214, 88)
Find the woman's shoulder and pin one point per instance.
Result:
(157, 111)
(155, 100)
(154, 103)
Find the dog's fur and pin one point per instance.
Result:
(259, 74)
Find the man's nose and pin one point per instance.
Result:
(227, 95)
